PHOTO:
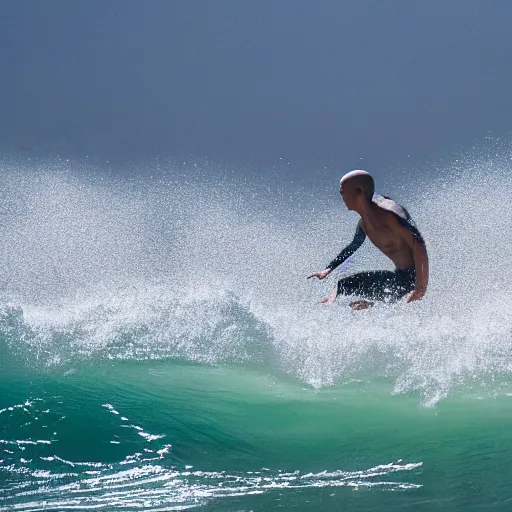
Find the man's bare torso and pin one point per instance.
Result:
(385, 232)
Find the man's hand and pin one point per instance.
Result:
(321, 275)
(416, 294)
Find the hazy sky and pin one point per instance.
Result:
(315, 82)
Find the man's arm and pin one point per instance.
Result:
(358, 240)
(420, 255)
(419, 251)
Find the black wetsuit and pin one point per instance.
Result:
(382, 285)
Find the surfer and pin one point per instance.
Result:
(391, 229)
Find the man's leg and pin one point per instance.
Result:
(375, 285)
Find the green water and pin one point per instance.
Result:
(168, 434)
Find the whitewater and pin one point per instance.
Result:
(162, 348)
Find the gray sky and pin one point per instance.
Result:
(315, 82)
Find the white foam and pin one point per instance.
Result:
(103, 269)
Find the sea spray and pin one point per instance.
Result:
(94, 267)
(161, 348)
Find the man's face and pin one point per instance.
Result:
(349, 195)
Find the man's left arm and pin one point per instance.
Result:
(420, 255)
(419, 250)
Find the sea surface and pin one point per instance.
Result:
(161, 349)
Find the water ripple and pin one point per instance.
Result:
(154, 487)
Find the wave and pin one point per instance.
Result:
(161, 435)
(99, 269)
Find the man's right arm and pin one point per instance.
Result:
(359, 238)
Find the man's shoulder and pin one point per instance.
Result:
(400, 214)
(391, 206)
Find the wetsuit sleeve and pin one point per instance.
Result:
(358, 240)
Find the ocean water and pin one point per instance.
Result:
(161, 349)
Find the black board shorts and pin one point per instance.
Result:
(381, 285)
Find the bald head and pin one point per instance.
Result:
(358, 180)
